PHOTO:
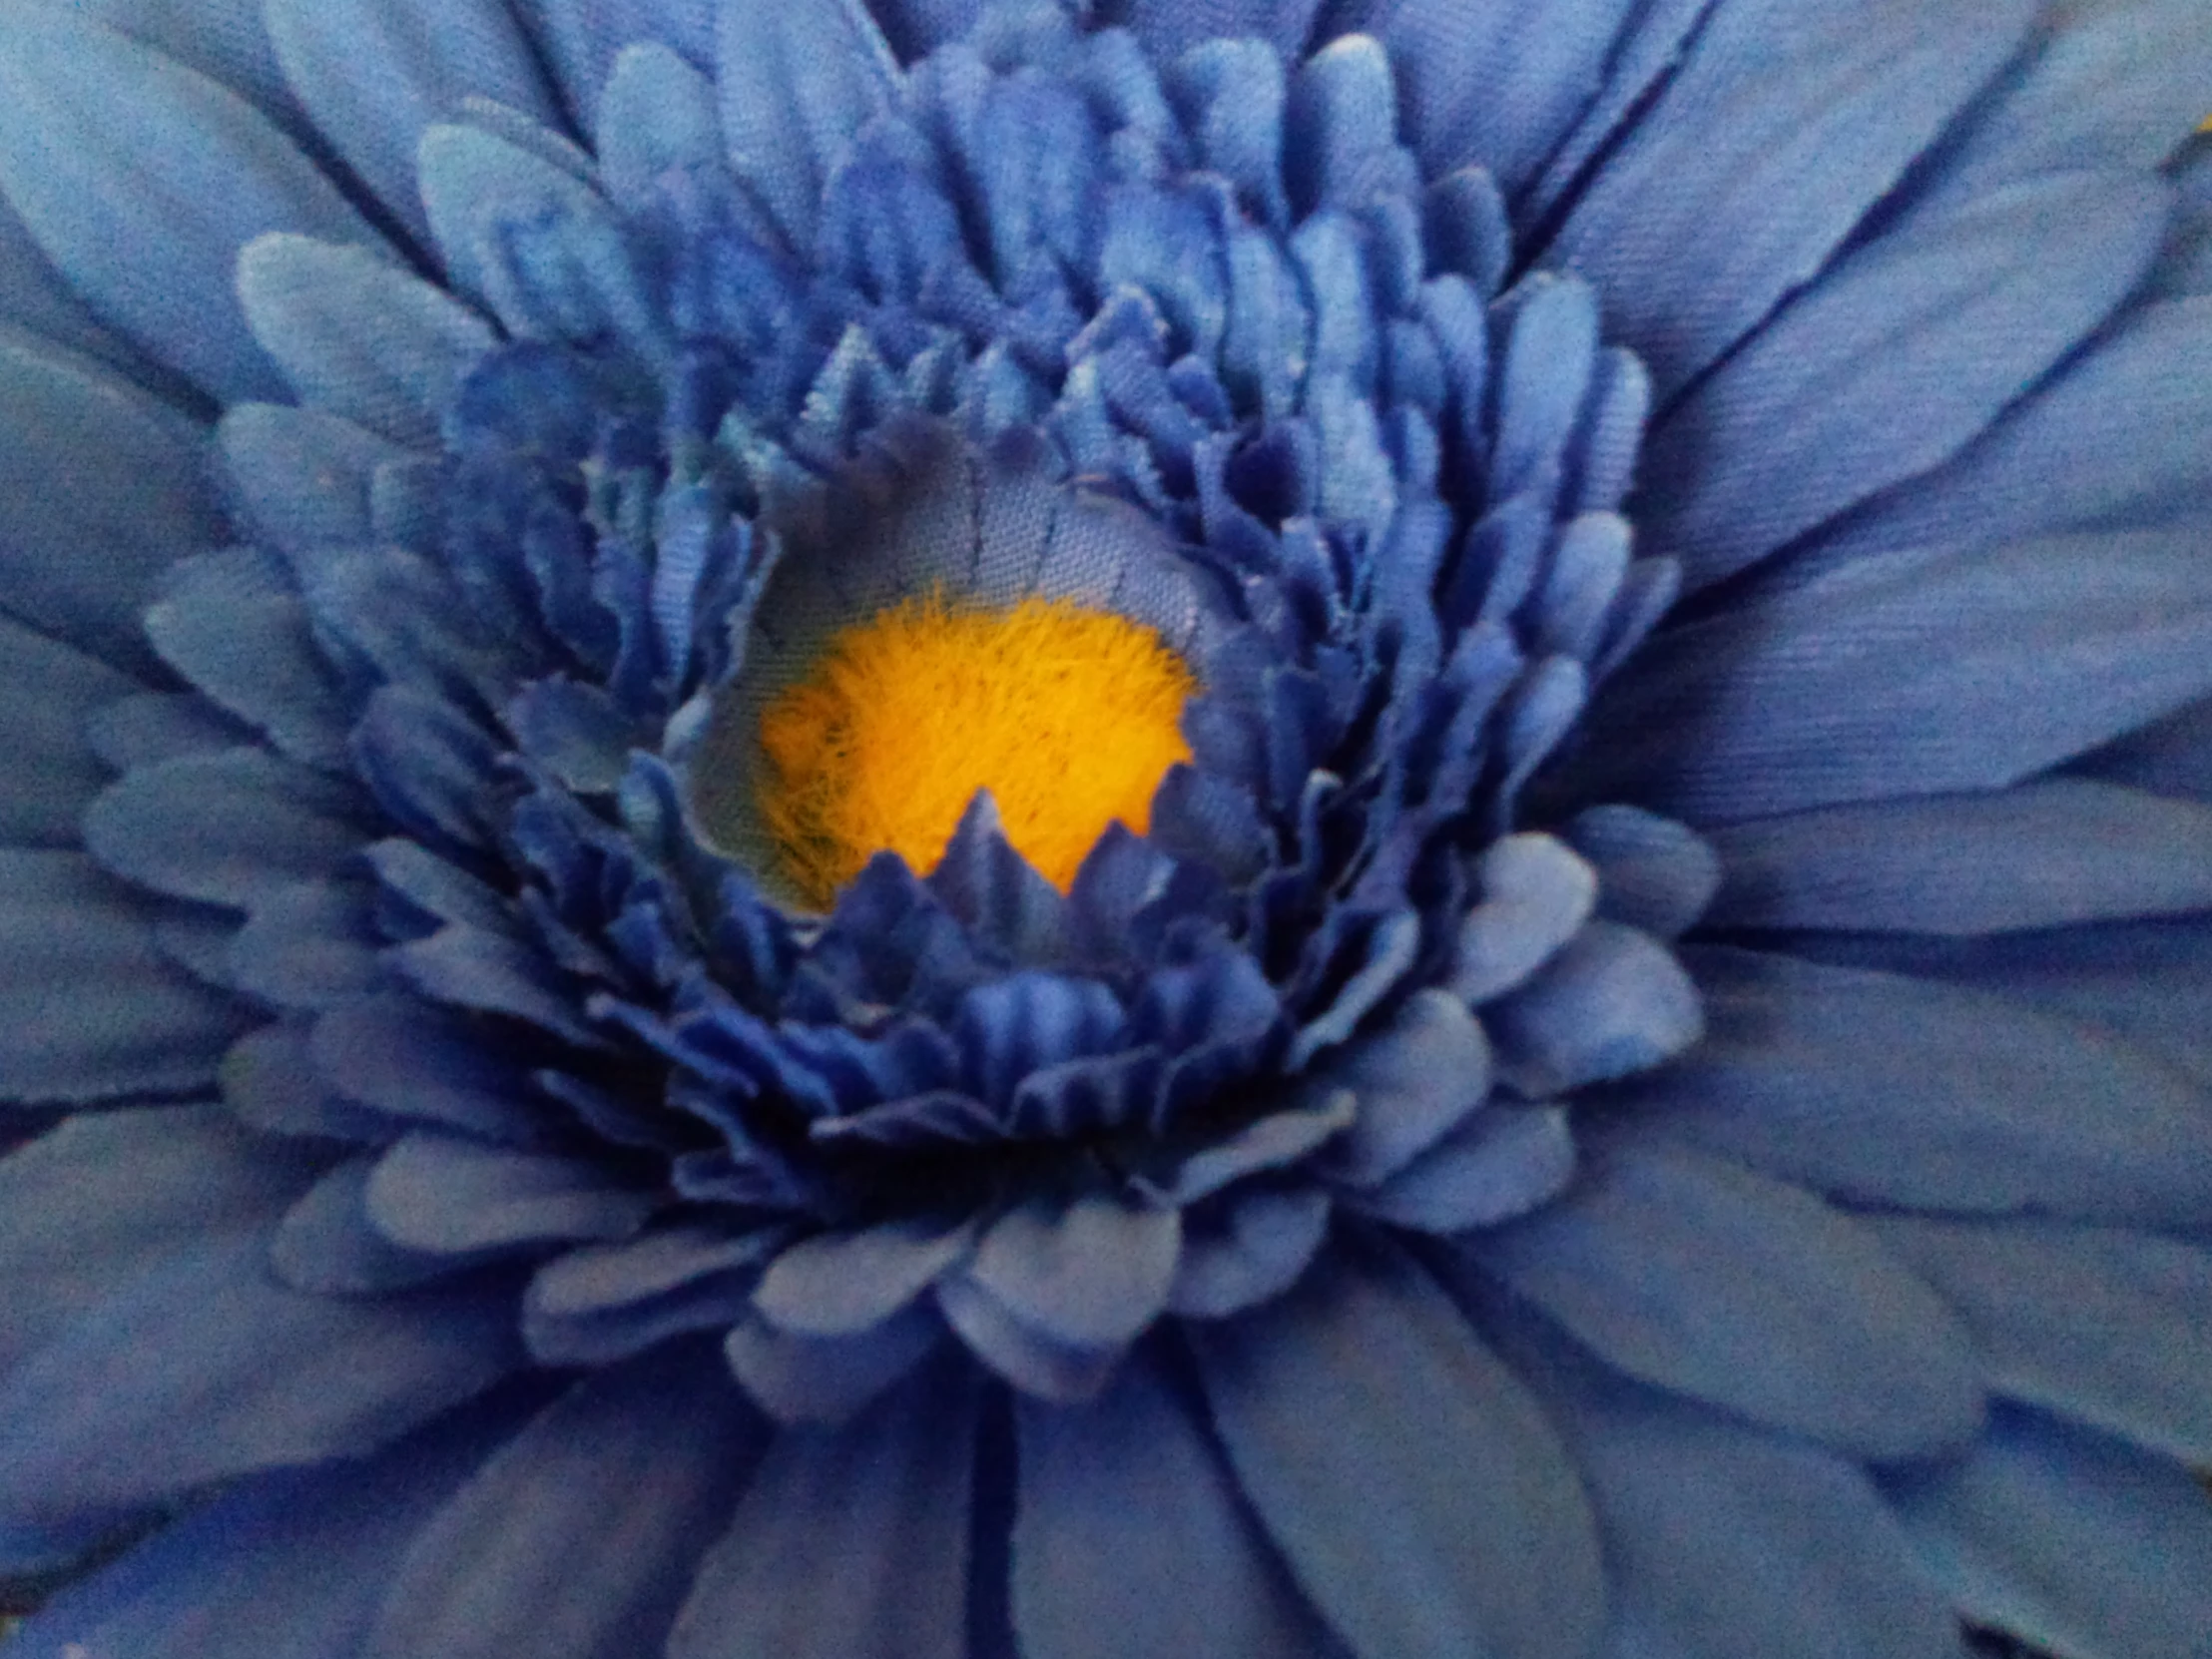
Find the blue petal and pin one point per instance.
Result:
(2075, 1542)
(659, 114)
(2108, 443)
(579, 1538)
(269, 1080)
(328, 1243)
(825, 1379)
(1645, 54)
(220, 39)
(1935, 673)
(1536, 895)
(1130, 1538)
(1033, 1362)
(454, 1197)
(839, 1283)
(1246, 1249)
(142, 180)
(582, 38)
(308, 946)
(231, 624)
(2045, 854)
(427, 56)
(1612, 1002)
(1769, 144)
(1169, 28)
(106, 1194)
(850, 1543)
(1496, 84)
(1910, 1092)
(1705, 1278)
(491, 973)
(48, 693)
(88, 461)
(268, 1376)
(417, 1064)
(304, 479)
(154, 727)
(2109, 1327)
(599, 1303)
(1653, 873)
(2107, 85)
(37, 303)
(1949, 318)
(797, 82)
(917, 27)
(1090, 1273)
(1391, 1518)
(1492, 1169)
(1413, 1082)
(357, 338)
(90, 1008)
(287, 1566)
(226, 828)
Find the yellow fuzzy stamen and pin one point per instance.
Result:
(1069, 717)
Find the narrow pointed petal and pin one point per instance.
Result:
(850, 1543)
(1910, 1092)
(90, 1006)
(430, 56)
(270, 1378)
(2077, 1544)
(2047, 855)
(142, 179)
(1130, 1537)
(579, 1538)
(1702, 1277)
(1437, 1516)
(1771, 140)
(1949, 318)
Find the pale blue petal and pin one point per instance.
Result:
(850, 1543)
(1090, 1273)
(582, 37)
(1169, 28)
(1130, 1537)
(839, 1283)
(454, 1197)
(142, 179)
(1379, 1440)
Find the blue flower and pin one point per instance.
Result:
(1633, 1084)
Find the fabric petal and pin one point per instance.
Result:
(140, 180)
(429, 55)
(48, 694)
(2047, 855)
(454, 1197)
(1413, 1081)
(266, 1376)
(2075, 1542)
(1169, 28)
(850, 1543)
(91, 1008)
(1775, 136)
(578, 1539)
(2109, 1327)
(838, 1283)
(90, 461)
(1090, 1273)
(1702, 1277)
(1938, 673)
(1437, 1516)
(1905, 1091)
(1949, 318)
(580, 39)
(1130, 1537)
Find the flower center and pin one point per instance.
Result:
(1069, 717)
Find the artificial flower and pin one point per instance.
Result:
(993, 829)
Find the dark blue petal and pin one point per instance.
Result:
(1246, 1249)
(359, 337)
(1612, 1002)
(2075, 1542)
(1168, 28)
(1498, 1165)
(106, 1194)
(90, 461)
(308, 946)
(48, 694)
(1934, 673)
(159, 726)
(1015, 1025)
(2109, 1327)
(231, 624)
(269, 1080)
(1089, 1273)
(457, 1197)
(825, 1379)
(1272, 1142)
(269, 1376)
(327, 1243)
(840, 1284)
(142, 180)
(601, 1303)
(492, 974)
(1394, 1519)
(850, 1543)
(1767, 146)
(1705, 1278)
(1949, 318)
(1413, 1081)
(2047, 855)
(286, 1566)
(428, 765)
(420, 1065)
(90, 1008)
(1653, 873)
(1033, 1362)
(797, 83)
(227, 829)
(2172, 757)
(427, 56)
(1910, 1092)
(579, 1538)
(1130, 1537)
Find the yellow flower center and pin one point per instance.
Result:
(1069, 717)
